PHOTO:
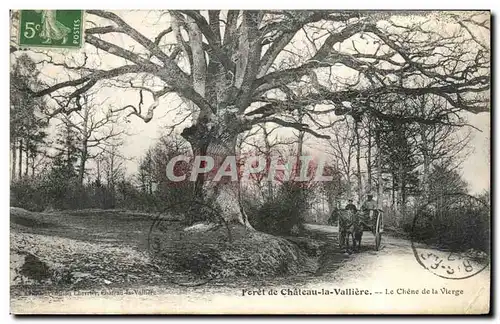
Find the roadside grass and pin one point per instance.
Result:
(110, 248)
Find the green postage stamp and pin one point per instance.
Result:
(51, 28)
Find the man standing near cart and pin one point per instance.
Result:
(369, 205)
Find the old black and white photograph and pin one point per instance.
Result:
(267, 161)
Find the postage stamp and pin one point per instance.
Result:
(51, 28)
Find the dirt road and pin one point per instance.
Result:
(386, 281)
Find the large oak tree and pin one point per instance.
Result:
(237, 69)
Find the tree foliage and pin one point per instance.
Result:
(234, 70)
(27, 124)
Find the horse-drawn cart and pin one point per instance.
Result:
(352, 225)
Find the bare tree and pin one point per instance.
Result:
(113, 166)
(95, 129)
(27, 126)
(407, 141)
(368, 157)
(439, 144)
(263, 143)
(228, 67)
(342, 147)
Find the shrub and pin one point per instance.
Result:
(457, 222)
(38, 194)
(283, 213)
(28, 194)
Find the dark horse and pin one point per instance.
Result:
(348, 228)
(363, 221)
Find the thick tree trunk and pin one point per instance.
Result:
(98, 167)
(84, 148)
(369, 159)
(425, 149)
(425, 178)
(379, 172)
(426, 164)
(14, 160)
(33, 160)
(111, 181)
(196, 211)
(270, 190)
(400, 186)
(227, 194)
(358, 163)
(224, 196)
(349, 185)
(26, 168)
(83, 162)
(394, 192)
(299, 165)
(300, 148)
(20, 169)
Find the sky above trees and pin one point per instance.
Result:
(151, 23)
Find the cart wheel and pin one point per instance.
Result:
(378, 234)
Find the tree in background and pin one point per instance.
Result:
(233, 70)
(443, 180)
(146, 174)
(27, 126)
(342, 148)
(159, 191)
(95, 129)
(62, 180)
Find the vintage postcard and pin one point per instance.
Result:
(250, 162)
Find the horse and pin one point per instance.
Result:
(348, 228)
